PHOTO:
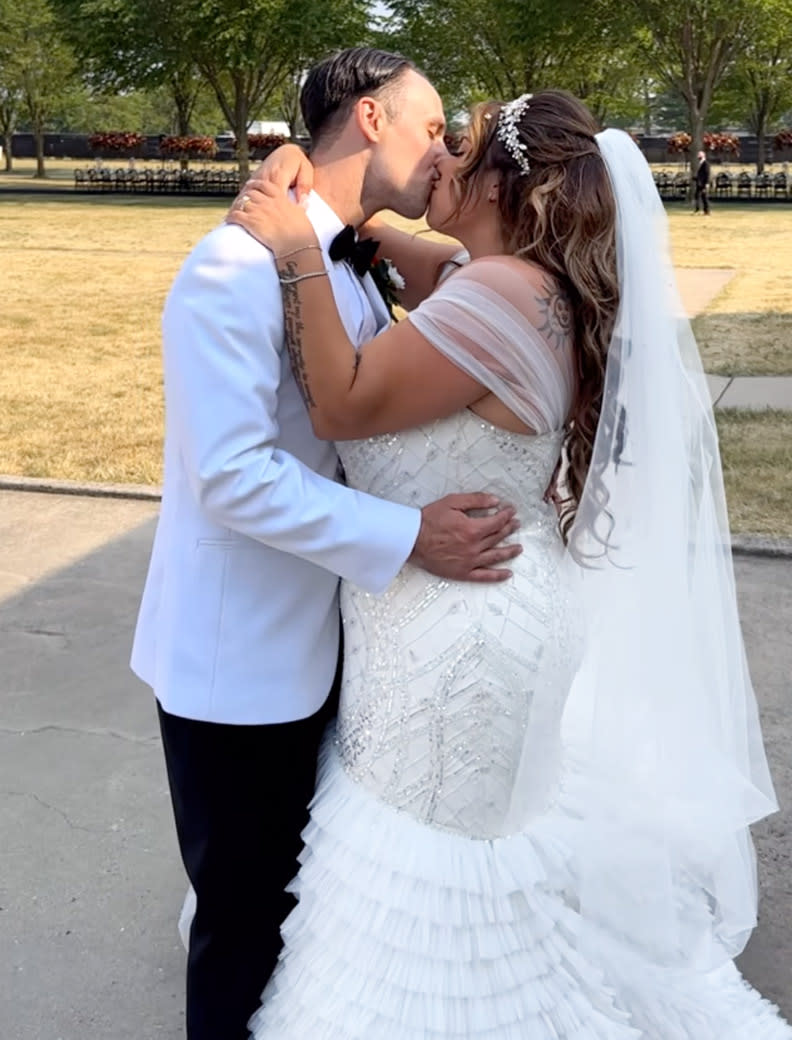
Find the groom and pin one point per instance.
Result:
(238, 632)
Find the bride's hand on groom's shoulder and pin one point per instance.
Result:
(271, 217)
(286, 167)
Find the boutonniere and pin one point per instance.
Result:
(388, 281)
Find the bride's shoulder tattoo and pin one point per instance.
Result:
(555, 313)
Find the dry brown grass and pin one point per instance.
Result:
(747, 328)
(84, 283)
(756, 450)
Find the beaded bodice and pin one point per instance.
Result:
(453, 693)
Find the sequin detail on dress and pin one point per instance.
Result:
(439, 698)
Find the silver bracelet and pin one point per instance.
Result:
(300, 249)
(286, 280)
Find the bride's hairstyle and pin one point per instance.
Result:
(560, 214)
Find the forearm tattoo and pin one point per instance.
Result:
(556, 316)
(293, 328)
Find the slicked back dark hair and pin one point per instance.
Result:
(335, 84)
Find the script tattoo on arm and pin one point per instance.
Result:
(556, 315)
(293, 329)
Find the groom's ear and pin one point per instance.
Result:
(371, 117)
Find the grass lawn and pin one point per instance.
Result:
(84, 280)
(747, 328)
(756, 452)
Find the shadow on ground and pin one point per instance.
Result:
(90, 882)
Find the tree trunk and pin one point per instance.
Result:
(761, 130)
(647, 110)
(39, 135)
(184, 102)
(241, 130)
(7, 142)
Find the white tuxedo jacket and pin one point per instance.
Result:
(239, 618)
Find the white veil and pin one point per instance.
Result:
(662, 711)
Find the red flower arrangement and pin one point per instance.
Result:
(726, 144)
(783, 139)
(127, 141)
(188, 147)
(679, 142)
(258, 143)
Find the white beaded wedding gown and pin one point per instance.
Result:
(437, 891)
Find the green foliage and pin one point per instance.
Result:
(37, 66)
(243, 50)
(476, 49)
(758, 90)
(690, 48)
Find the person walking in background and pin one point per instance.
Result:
(702, 184)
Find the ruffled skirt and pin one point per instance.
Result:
(407, 932)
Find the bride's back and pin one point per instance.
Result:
(453, 693)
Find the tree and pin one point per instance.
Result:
(10, 104)
(482, 48)
(38, 69)
(690, 47)
(247, 51)
(503, 48)
(760, 87)
(130, 45)
(10, 78)
(244, 49)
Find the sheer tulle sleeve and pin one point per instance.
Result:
(489, 320)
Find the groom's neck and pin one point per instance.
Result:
(338, 179)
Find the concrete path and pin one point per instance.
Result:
(90, 881)
(754, 393)
(698, 286)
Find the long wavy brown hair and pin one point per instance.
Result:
(562, 216)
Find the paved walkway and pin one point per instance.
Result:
(698, 286)
(90, 881)
(753, 393)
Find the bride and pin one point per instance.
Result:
(532, 819)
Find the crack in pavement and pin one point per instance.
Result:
(719, 398)
(53, 808)
(127, 737)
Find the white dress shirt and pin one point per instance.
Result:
(239, 618)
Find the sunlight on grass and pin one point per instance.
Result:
(84, 287)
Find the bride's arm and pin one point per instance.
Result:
(392, 383)
(418, 259)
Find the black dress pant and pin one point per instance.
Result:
(702, 197)
(240, 797)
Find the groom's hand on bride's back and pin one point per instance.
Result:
(452, 544)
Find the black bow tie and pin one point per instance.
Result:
(345, 246)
